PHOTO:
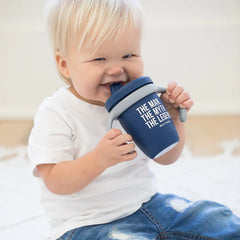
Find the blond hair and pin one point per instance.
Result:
(90, 22)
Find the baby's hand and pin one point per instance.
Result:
(176, 97)
(114, 148)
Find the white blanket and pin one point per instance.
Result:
(22, 217)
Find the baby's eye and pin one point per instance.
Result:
(99, 59)
(128, 56)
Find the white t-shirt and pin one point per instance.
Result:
(66, 128)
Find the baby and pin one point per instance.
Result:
(96, 184)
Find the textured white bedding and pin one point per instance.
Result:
(22, 217)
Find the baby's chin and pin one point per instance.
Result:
(96, 102)
(90, 99)
(102, 99)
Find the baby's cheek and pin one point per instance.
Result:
(135, 70)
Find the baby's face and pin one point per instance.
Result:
(117, 60)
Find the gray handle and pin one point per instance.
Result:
(110, 122)
(182, 111)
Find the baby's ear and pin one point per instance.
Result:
(62, 64)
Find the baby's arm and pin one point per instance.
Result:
(175, 97)
(72, 176)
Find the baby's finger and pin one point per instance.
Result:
(129, 156)
(121, 139)
(184, 96)
(127, 148)
(187, 104)
(165, 98)
(175, 93)
(170, 87)
(113, 133)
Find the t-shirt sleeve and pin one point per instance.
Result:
(50, 140)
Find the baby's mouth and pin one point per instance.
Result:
(107, 85)
(124, 83)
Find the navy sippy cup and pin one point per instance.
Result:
(143, 115)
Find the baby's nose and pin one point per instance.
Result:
(115, 70)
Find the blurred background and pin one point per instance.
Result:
(196, 43)
(193, 42)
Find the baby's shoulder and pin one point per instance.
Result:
(54, 106)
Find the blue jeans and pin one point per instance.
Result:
(166, 217)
